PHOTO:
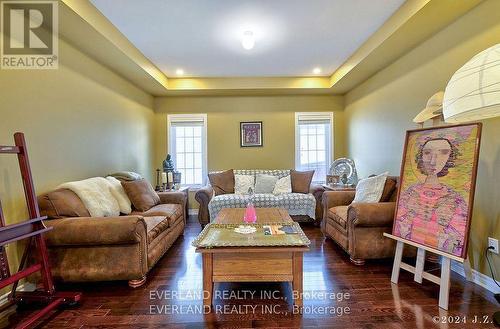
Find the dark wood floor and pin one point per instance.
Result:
(373, 302)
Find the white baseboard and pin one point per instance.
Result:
(477, 277)
(27, 286)
(193, 212)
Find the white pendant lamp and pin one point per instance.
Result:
(473, 92)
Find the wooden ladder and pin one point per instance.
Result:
(32, 230)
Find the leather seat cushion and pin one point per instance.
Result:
(167, 210)
(171, 210)
(160, 217)
(339, 215)
(155, 225)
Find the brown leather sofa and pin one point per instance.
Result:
(358, 228)
(205, 194)
(84, 248)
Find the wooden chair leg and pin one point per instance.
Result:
(137, 282)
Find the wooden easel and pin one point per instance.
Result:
(418, 269)
(32, 230)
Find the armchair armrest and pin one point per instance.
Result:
(316, 188)
(379, 214)
(203, 197)
(172, 197)
(90, 231)
(337, 198)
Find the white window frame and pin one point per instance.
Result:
(311, 116)
(200, 117)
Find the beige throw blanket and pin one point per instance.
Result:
(96, 195)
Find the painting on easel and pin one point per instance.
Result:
(438, 176)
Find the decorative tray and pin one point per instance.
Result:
(223, 235)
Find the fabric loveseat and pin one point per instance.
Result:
(85, 248)
(301, 206)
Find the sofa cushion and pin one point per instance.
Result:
(222, 182)
(61, 203)
(141, 194)
(301, 180)
(265, 183)
(339, 215)
(283, 185)
(171, 210)
(389, 189)
(369, 190)
(242, 183)
(155, 225)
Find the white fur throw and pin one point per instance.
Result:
(120, 195)
(96, 195)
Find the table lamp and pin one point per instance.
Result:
(473, 93)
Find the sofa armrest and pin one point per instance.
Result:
(203, 197)
(81, 231)
(379, 214)
(317, 191)
(172, 197)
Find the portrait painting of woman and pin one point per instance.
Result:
(438, 173)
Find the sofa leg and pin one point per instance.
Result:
(357, 261)
(137, 283)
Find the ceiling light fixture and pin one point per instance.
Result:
(317, 70)
(248, 40)
(179, 72)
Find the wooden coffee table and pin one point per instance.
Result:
(252, 264)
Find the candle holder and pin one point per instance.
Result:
(158, 178)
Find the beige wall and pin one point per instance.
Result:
(378, 112)
(81, 120)
(224, 114)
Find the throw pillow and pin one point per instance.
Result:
(222, 182)
(389, 187)
(369, 190)
(120, 195)
(283, 185)
(141, 194)
(242, 183)
(62, 203)
(301, 181)
(265, 183)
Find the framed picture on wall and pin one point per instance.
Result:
(436, 194)
(251, 134)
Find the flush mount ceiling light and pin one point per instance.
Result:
(179, 72)
(248, 40)
(317, 70)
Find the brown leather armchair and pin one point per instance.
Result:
(205, 194)
(358, 228)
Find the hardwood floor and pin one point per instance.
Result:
(363, 297)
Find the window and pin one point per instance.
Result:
(187, 143)
(314, 143)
